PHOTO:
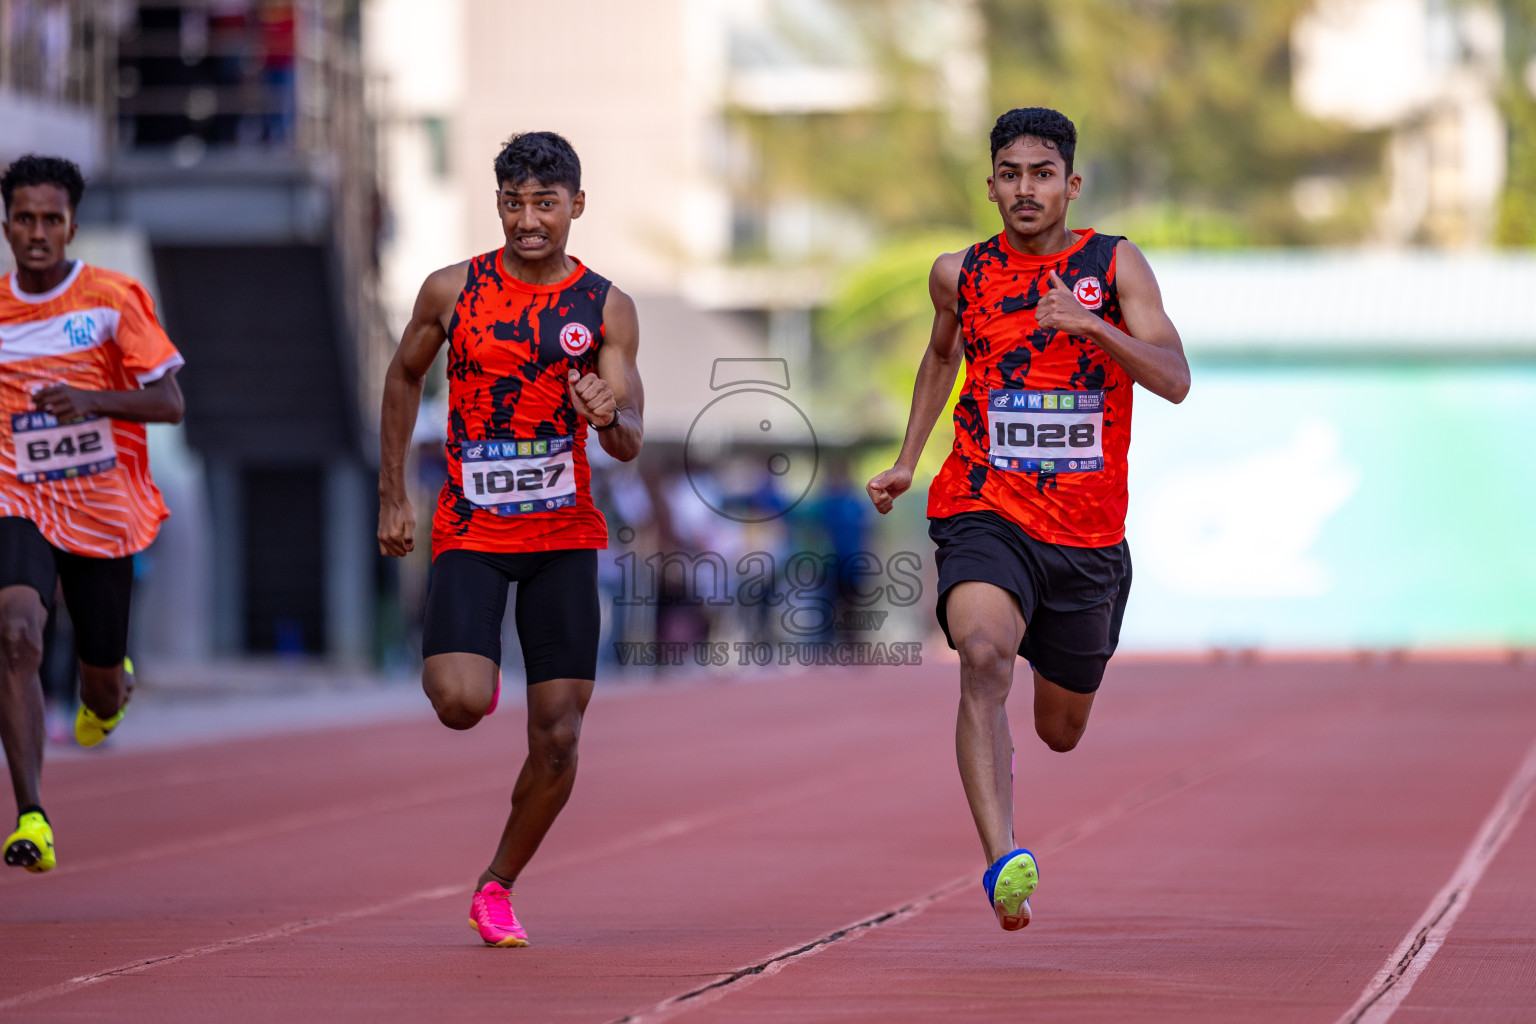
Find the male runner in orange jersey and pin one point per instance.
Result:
(83, 365)
(539, 347)
(1028, 511)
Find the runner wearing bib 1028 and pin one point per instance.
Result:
(1028, 512)
(1044, 419)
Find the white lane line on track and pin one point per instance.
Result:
(724, 984)
(415, 797)
(1394, 981)
(281, 931)
(644, 837)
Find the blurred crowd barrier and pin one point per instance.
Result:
(738, 561)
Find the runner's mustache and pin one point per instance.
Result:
(1023, 205)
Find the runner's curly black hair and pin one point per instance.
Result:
(543, 157)
(43, 170)
(1049, 126)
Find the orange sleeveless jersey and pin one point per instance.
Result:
(97, 330)
(510, 348)
(1054, 491)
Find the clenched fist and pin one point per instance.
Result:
(66, 403)
(886, 487)
(397, 527)
(1059, 310)
(593, 398)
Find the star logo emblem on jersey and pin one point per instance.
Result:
(1089, 292)
(575, 339)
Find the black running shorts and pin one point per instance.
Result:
(1072, 599)
(558, 616)
(97, 591)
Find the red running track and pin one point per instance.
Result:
(1228, 843)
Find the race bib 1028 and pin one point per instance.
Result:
(512, 478)
(1045, 431)
(46, 449)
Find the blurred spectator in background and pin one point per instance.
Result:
(54, 25)
(39, 38)
(277, 58)
(834, 524)
(232, 55)
(680, 615)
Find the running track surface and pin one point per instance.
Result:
(1228, 843)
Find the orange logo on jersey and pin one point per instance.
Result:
(1089, 292)
(575, 339)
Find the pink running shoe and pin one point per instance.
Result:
(490, 914)
(495, 697)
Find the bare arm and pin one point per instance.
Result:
(935, 379)
(613, 395)
(159, 401)
(1151, 352)
(423, 337)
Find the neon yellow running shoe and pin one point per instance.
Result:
(91, 730)
(31, 845)
(1009, 883)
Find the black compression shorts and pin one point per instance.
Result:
(97, 591)
(1072, 599)
(558, 615)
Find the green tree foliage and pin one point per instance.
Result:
(894, 162)
(1184, 109)
(1182, 106)
(1517, 209)
(877, 326)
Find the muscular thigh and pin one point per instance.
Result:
(975, 611)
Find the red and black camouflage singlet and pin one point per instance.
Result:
(515, 442)
(1043, 422)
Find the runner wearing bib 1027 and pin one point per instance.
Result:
(540, 351)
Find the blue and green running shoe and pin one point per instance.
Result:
(1009, 883)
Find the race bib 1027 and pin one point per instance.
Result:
(1045, 431)
(512, 478)
(46, 449)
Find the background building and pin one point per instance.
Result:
(229, 147)
(771, 180)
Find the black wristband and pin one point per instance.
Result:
(611, 423)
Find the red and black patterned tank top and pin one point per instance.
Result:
(1043, 423)
(518, 478)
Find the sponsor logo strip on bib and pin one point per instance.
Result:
(1045, 431)
(515, 477)
(46, 449)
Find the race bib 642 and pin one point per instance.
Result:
(46, 449)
